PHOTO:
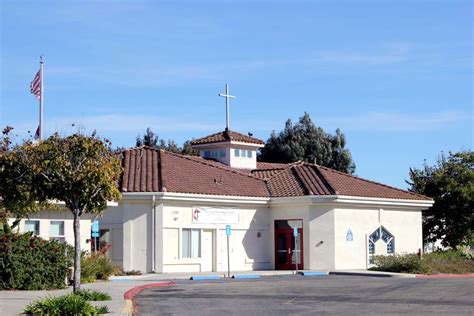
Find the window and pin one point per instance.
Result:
(221, 153)
(249, 153)
(32, 226)
(215, 154)
(237, 152)
(191, 243)
(56, 231)
(207, 154)
(381, 233)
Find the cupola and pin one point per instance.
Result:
(231, 148)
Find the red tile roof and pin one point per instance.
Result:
(226, 136)
(151, 170)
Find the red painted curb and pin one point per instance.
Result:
(130, 294)
(445, 276)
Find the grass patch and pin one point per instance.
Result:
(90, 295)
(70, 304)
(450, 261)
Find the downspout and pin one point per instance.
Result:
(153, 230)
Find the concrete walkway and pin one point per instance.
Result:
(13, 302)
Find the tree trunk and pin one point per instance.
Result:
(77, 252)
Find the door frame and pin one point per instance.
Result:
(290, 233)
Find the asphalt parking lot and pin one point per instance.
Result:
(283, 295)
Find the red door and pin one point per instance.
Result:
(287, 254)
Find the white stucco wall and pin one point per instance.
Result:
(138, 246)
(247, 251)
(404, 225)
(45, 218)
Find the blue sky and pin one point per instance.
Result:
(395, 76)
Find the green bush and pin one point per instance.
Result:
(90, 295)
(450, 261)
(95, 267)
(70, 304)
(407, 263)
(32, 263)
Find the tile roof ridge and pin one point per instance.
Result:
(323, 179)
(283, 169)
(371, 181)
(204, 162)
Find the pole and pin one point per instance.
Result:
(41, 100)
(227, 116)
(95, 245)
(228, 258)
(296, 254)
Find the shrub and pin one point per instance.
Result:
(118, 271)
(90, 295)
(96, 267)
(32, 263)
(70, 304)
(450, 261)
(407, 263)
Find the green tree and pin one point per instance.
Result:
(451, 184)
(19, 194)
(307, 142)
(78, 170)
(150, 139)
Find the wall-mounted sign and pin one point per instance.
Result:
(349, 236)
(210, 215)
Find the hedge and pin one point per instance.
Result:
(32, 263)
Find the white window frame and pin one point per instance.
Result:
(37, 226)
(369, 239)
(237, 152)
(59, 237)
(190, 245)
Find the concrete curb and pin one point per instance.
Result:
(444, 276)
(374, 274)
(129, 308)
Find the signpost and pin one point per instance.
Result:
(295, 234)
(95, 233)
(227, 232)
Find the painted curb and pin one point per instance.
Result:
(204, 277)
(129, 308)
(246, 276)
(309, 273)
(444, 276)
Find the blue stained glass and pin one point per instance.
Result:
(375, 235)
(386, 235)
(390, 247)
(371, 247)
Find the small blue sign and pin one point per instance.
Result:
(295, 231)
(94, 235)
(227, 230)
(95, 226)
(349, 236)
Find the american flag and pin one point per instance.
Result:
(38, 132)
(35, 85)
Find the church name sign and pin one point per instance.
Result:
(210, 215)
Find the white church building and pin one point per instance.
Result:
(175, 208)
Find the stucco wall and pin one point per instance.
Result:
(404, 225)
(247, 250)
(288, 212)
(45, 218)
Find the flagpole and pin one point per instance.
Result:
(41, 100)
